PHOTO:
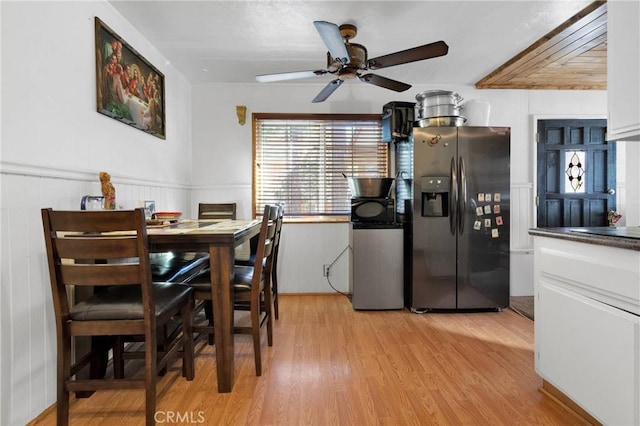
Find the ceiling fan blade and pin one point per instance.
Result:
(267, 78)
(431, 50)
(331, 37)
(327, 91)
(385, 82)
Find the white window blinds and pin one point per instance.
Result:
(300, 160)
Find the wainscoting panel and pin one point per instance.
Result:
(521, 273)
(27, 323)
(521, 277)
(305, 248)
(521, 215)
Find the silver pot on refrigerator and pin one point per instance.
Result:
(444, 110)
(437, 103)
(442, 121)
(438, 97)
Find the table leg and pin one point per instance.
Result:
(222, 258)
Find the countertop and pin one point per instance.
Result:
(619, 237)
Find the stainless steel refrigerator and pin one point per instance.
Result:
(460, 218)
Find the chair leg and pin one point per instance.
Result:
(151, 362)
(268, 313)
(188, 367)
(255, 332)
(208, 313)
(118, 358)
(275, 303)
(64, 374)
(100, 346)
(274, 292)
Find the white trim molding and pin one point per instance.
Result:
(42, 171)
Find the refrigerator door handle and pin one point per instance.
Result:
(463, 197)
(453, 196)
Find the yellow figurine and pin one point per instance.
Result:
(108, 191)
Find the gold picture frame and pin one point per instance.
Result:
(128, 88)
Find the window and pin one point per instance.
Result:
(299, 159)
(575, 171)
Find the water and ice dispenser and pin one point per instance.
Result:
(435, 196)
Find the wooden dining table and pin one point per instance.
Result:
(219, 238)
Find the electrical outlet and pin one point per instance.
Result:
(326, 270)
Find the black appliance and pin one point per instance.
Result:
(459, 218)
(397, 121)
(372, 210)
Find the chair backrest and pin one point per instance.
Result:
(280, 216)
(96, 248)
(217, 211)
(276, 240)
(264, 250)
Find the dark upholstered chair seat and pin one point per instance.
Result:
(125, 302)
(177, 267)
(242, 276)
(247, 262)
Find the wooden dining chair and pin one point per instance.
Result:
(108, 250)
(274, 268)
(214, 211)
(217, 211)
(251, 288)
(276, 250)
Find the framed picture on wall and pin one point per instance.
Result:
(128, 88)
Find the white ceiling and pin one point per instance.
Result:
(232, 41)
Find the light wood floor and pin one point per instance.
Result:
(331, 365)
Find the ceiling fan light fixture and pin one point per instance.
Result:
(347, 74)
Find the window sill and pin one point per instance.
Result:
(316, 219)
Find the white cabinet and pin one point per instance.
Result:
(589, 351)
(587, 327)
(623, 70)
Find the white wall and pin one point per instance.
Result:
(49, 101)
(53, 145)
(217, 135)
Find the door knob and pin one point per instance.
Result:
(611, 191)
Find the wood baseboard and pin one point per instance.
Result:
(558, 396)
(312, 294)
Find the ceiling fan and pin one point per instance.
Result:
(348, 60)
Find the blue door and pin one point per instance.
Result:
(576, 173)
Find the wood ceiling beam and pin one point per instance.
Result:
(572, 56)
